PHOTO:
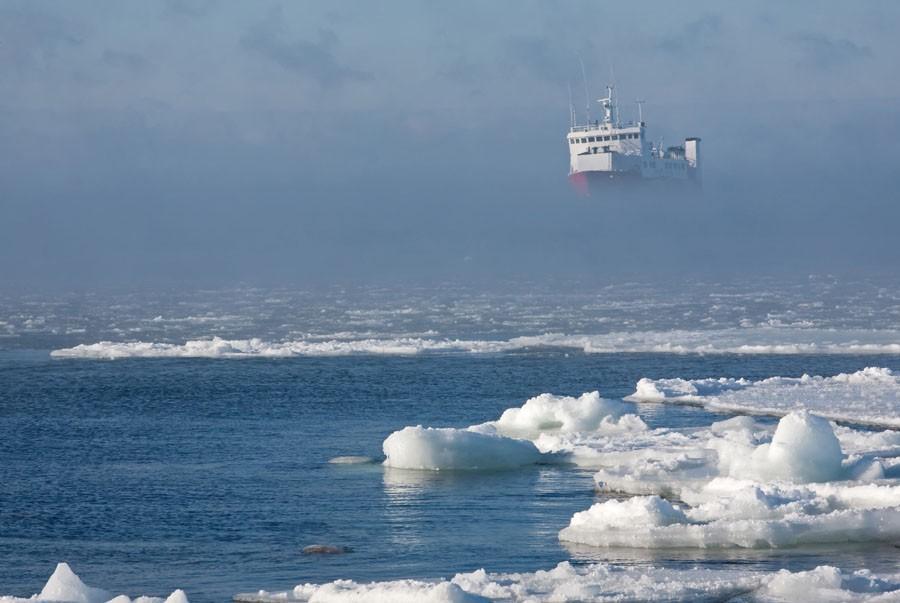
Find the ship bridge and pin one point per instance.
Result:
(606, 144)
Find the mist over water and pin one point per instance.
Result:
(278, 146)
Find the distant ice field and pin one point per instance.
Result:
(765, 340)
(815, 315)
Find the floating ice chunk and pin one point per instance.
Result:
(447, 448)
(350, 460)
(127, 599)
(399, 591)
(666, 462)
(64, 586)
(856, 441)
(557, 413)
(563, 414)
(803, 449)
(506, 442)
(177, 597)
(625, 514)
(741, 513)
(863, 469)
(603, 582)
(791, 529)
(647, 390)
(734, 424)
(826, 583)
(871, 395)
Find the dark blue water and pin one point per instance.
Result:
(212, 475)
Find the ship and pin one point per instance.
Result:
(607, 152)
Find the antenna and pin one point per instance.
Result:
(612, 97)
(571, 106)
(587, 96)
(609, 107)
(614, 114)
(640, 104)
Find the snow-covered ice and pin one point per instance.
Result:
(559, 414)
(735, 485)
(602, 582)
(64, 586)
(871, 395)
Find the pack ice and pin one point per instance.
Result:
(766, 339)
(736, 483)
(601, 582)
(64, 586)
(871, 395)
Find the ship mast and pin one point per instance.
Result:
(609, 107)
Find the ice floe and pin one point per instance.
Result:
(871, 395)
(514, 440)
(446, 448)
(602, 582)
(64, 586)
(559, 414)
(734, 485)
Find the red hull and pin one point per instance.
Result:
(585, 182)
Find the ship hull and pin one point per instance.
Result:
(588, 183)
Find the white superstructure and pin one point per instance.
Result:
(609, 150)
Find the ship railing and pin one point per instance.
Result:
(595, 125)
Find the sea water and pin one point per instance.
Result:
(211, 474)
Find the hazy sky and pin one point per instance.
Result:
(208, 143)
